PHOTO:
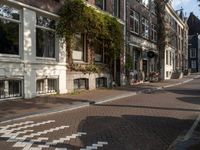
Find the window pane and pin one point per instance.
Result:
(99, 3)
(14, 88)
(45, 43)
(2, 87)
(9, 37)
(76, 84)
(117, 8)
(82, 84)
(78, 42)
(9, 12)
(40, 86)
(45, 22)
(101, 82)
(52, 87)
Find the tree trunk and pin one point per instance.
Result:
(162, 35)
(69, 53)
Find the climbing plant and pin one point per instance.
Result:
(76, 17)
(163, 32)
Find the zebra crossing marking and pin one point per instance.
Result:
(12, 134)
(95, 146)
(17, 124)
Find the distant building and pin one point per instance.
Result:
(142, 36)
(177, 47)
(194, 43)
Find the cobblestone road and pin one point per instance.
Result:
(150, 121)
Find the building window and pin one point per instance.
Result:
(47, 85)
(193, 64)
(153, 7)
(167, 74)
(81, 84)
(167, 58)
(99, 52)
(9, 30)
(134, 21)
(145, 3)
(79, 47)
(10, 88)
(45, 37)
(101, 82)
(40, 86)
(145, 28)
(52, 85)
(116, 11)
(101, 4)
(193, 53)
(170, 58)
(153, 33)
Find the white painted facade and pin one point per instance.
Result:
(172, 60)
(26, 66)
(169, 66)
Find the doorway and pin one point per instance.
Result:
(145, 69)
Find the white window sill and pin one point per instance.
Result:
(45, 58)
(80, 62)
(9, 56)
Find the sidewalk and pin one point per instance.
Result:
(11, 109)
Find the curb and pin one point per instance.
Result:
(65, 109)
(179, 142)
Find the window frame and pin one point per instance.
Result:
(46, 90)
(116, 4)
(135, 20)
(104, 5)
(193, 64)
(6, 93)
(84, 49)
(49, 30)
(145, 23)
(78, 81)
(154, 33)
(193, 52)
(20, 35)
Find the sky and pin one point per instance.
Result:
(188, 6)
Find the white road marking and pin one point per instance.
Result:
(27, 145)
(95, 146)
(190, 132)
(17, 124)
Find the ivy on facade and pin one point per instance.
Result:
(76, 17)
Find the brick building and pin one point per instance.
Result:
(194, 43)
(142, 36)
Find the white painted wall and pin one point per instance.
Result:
(169, 68)
(27, 66)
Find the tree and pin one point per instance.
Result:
(162, 34)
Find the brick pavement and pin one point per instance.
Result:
(143, 122)
(19, 108)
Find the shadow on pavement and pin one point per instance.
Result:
(132, 132)
(192, 100)
(17, 108)
(126, 132)
(148, 107)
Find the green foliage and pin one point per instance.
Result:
(129, 62)
(78, 18)
(89, 68)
